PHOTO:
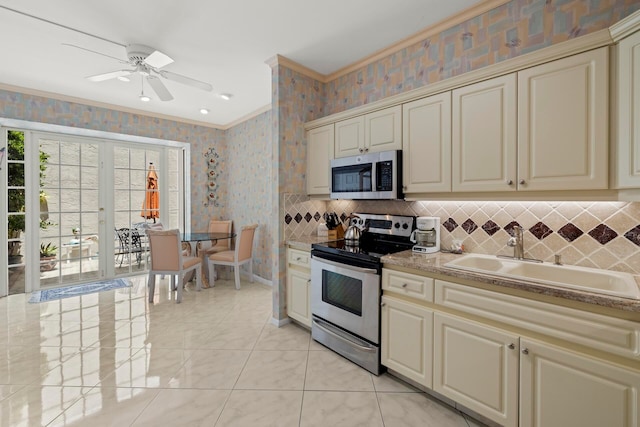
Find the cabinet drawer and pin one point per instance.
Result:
(616, 336)
(408, 284)
(297, 257)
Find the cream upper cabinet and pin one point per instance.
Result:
(407, 339)
(373, 132)
(426, 144)
(477, 366)
(484, 136)
(627, 113)
(559, 388)
(320, 146)
(563, 124)
(350, 137)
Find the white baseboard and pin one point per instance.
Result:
(280, 322)
(261, 280)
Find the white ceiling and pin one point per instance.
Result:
(224, 43)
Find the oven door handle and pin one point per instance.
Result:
(318, 324)
(347, 266)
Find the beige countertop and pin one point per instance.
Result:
(304, 243)
(434, 263)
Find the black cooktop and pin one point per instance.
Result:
(368, 249)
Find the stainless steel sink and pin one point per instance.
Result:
(581, 278)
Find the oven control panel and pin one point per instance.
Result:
(396, 225)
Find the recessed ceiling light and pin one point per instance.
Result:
(204, 111)
(124, 78)
(226, 96)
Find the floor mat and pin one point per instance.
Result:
(75, 290)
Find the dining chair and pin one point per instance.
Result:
(206, 248)
(167, 258)
(242, 254)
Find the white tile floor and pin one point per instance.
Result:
(214, 360)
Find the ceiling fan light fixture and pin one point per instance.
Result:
(204, 111)
(124, 79)
(144, 98)
(225, 96)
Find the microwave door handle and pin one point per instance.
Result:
(347, 266)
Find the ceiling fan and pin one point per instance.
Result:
(148, 63)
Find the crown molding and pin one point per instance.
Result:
(292, 65)
(571, 47)
(625, 27)
(463, 16)
(82, 101)
(249, 116)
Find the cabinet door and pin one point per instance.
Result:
(383, 130)
(298, 293)
(350, 137)
(484, 136)
(627, 110)
(563, 114)
(477, 366)
(426, 144)
(563, 389)
(407, 339)
(319, 155)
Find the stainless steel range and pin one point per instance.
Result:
(346, 287)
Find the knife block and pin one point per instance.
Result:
(336, 234)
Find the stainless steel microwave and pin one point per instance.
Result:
(368, 176)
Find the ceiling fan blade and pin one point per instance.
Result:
(186, 80)
(159, 88)
(108, 76)
(122, 61)
(158, 59)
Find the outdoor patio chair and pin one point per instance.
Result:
(166, 258)
(129, 243)
(243, 254)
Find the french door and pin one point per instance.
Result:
(67, 196)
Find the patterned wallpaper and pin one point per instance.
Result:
(510, 30)
(248, 191)
(296, 99)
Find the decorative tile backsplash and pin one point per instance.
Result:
(592, 234)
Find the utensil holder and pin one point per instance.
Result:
(336, 234)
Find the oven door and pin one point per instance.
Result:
(347, 295)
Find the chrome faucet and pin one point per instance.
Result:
(516, 241)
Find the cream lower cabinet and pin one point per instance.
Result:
(320, 146)
(559, 388)
(407, 339)
(477, 366)
(299, 286)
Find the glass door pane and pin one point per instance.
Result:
(132, 215)
(16, 199)
(69, 206)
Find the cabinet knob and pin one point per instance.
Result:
(309, 282)
(366, 150)
(512, 346)
(404, 187)
(361, 150)
(382, 304)
(509, 182)
(525, 351)
(298, 259)
(404, 285)
(522, 182)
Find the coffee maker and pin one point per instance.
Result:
(427, 235)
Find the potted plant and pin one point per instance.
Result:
(48, 259)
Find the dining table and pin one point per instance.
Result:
(193, 237)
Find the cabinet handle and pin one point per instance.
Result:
(525, 351)
(509, 182)
(522, 182)
(512, 346)
(404, 285)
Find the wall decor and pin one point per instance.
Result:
(212, 174)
